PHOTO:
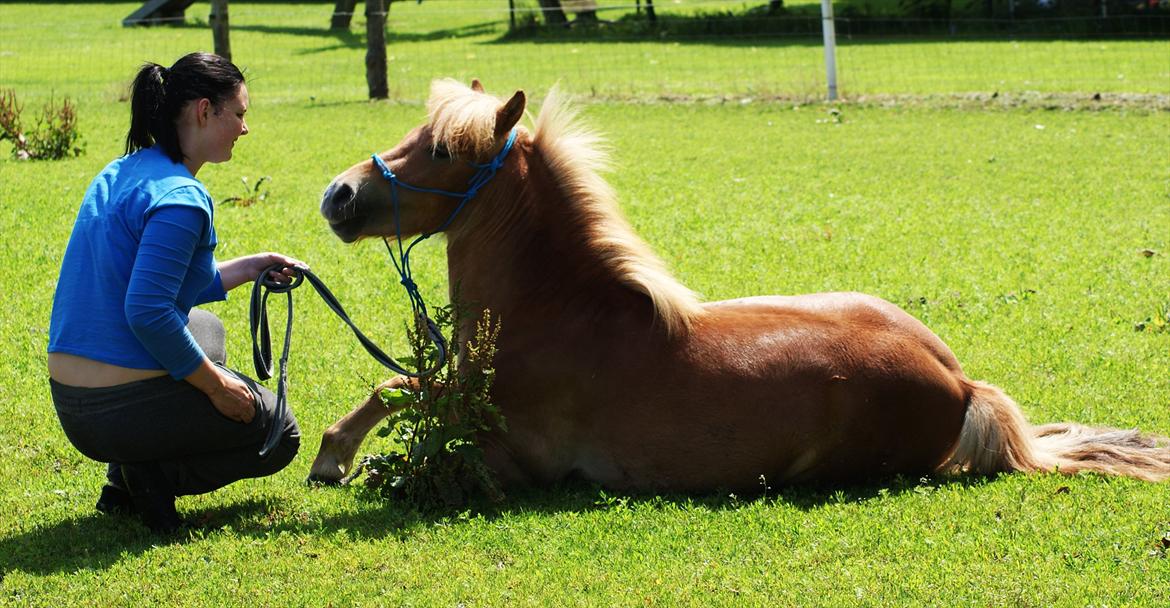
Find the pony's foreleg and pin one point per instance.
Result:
(341, 440)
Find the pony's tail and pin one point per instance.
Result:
(996, 438)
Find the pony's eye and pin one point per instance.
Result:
(440, 152)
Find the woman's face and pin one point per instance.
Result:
(226, 125)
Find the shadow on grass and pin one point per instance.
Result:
(384, 517)
(793, 27)
(355, 38)
(97, 541)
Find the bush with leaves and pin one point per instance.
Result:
(54, 137)
(436, 462)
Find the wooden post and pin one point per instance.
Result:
(219, 28)
(376, 49)
(342, 13)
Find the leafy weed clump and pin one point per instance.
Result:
(436, 462)
(54, 137)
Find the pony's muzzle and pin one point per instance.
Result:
(337, 202)
(339, 207)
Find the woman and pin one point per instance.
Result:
(137, 376)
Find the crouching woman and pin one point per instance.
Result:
(137, 375)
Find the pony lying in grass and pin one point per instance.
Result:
(610, 369)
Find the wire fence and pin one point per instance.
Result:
(692, 49)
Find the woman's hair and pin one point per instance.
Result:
(158, 94)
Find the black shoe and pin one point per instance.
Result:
(151, 497)
(115, 501)
(157, 511)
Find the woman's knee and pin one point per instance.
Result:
(290, 437)
(209, 334)
(290, 433)
(285, 451)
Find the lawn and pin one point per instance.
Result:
(1033, 241)
(81, 50)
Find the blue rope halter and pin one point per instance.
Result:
(485, 172)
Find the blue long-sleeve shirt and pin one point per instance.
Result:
(140, 256)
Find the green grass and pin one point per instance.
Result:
(292, 56)
(1015, 233)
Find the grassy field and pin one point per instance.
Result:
(1016, 233)
(82, 50)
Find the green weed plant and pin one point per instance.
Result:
(1158, 322)
(256, 193)
(55, 135)
(436, 462)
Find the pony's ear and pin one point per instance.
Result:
(509, 114)
(476, 85)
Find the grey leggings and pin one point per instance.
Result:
(170, 427)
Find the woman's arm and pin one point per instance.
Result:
(238, 271)
(164, 253)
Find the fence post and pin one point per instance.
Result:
(219, 28)
(830, 34)
(342, 13)
(376, 50)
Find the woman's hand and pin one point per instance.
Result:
(228, 394)
(243, 270)
(264, 260)
(234, 400)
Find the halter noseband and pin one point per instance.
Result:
(485, 172)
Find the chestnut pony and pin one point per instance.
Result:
(610, 369)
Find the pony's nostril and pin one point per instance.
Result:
(342, 194)
(337, 203)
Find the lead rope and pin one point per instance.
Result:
(262, 340)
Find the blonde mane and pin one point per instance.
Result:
(574, 155)
(462, 120)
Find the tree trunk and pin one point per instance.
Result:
(650, 16)
(376, 49)
(342, 14)
(219, 28)
(586, 18)
(553, 15)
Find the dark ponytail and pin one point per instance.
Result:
(146, 96)
(159, 94)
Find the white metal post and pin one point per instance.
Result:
(830, 32)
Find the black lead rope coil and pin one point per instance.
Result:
(262, 339)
